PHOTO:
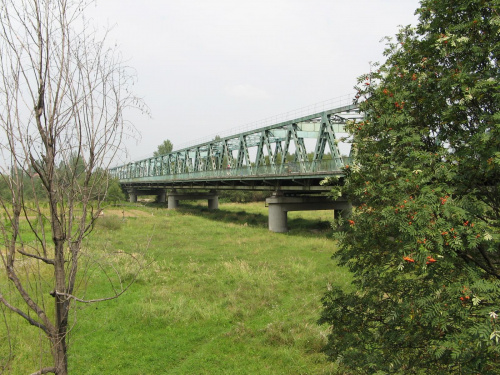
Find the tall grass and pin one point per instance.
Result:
(220, 295)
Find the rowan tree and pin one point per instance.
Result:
(423, 241)
(63, 93)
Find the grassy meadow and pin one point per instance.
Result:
(218, 294)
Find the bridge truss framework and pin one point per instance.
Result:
(288, 158)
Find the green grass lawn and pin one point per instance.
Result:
(220, 295)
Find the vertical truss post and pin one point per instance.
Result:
(220, 158)
(181, 163)
(339, 163)
(187, 162)
(214, 157)
(319, 150)
(209, 160)
(158, 166)
(204, 159)
(300, 149)
(243, 153)
(259, 158)
(277, 150)
(197, 160)
(172, 163)
(176, 163)
(220, 155)
(166, 165)
(162, 165)
(285, 150)
(272, 157)
(228, 154)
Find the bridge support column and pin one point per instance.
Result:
(213, 200)
(172, 201)
(162, 196)
(174, 197)
(132, 196)
(279, 206)
(278, 218)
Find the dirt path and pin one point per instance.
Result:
(127, 213)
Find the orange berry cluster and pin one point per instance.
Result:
(430, 259)
(465, 296)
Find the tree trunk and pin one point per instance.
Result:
(61, 308)
(59, 353)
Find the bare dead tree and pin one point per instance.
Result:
(63, 93)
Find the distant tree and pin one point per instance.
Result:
(423, 242)
(62, 97)
(31, 183)
(114, 192)
(165, 148)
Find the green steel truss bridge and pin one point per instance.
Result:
(285, 155)
(288, 158)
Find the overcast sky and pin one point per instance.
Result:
(206, 66)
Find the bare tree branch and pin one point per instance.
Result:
(45, 260)
(117, 293)
(25, 316)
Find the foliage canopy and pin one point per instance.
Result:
(165, 148)
(424, 240)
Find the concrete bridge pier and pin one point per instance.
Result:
(279, 206)
(213, 200)
(162, 196)
(174, 197)
(278, 217)
(172, 202)
(132, 195)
